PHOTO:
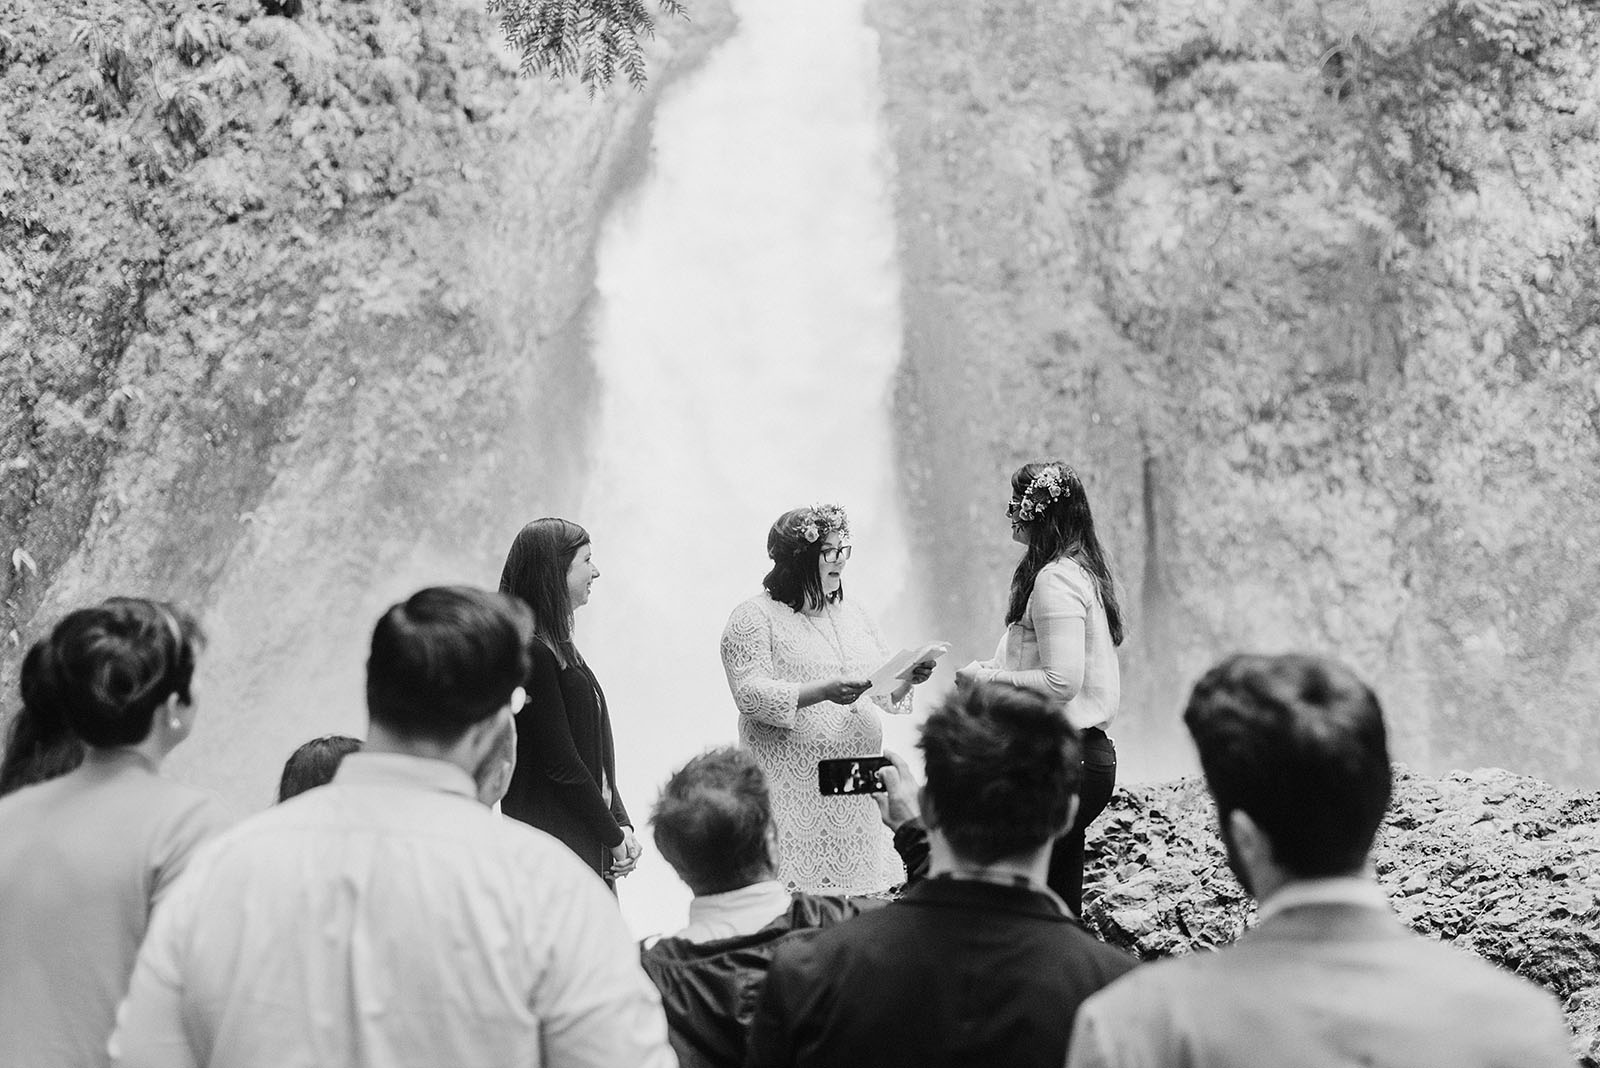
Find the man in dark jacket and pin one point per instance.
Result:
(978, 964)
(713, 824)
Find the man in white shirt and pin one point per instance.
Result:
(1295, 755)
(391, 919)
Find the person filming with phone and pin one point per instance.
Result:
(798, 657)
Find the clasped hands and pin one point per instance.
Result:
(625, 854)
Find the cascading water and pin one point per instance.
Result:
(746, 338)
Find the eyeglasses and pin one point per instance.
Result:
(835, 554)
(1013, 506)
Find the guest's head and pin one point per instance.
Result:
(446, 667)
(809, 548)
(1295, 754)
(1002, 769)
(122, 674)
(1050, 515)
(39, 744)
(551, 568)
(713, 822)
(314, 763)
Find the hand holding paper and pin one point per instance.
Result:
(898, 668)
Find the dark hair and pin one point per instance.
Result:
(445, 659)
(108, 668)
(711, 822)
(1297, 743)
(39, 744)
(314, 763)
(796, 576)
(536, 571)
(1003, 767)
(1065, 527)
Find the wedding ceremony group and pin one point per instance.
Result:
(443, 891)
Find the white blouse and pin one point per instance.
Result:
(1062, 647)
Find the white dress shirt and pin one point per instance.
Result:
(1355, 890)
(389, 919)
(736, 913)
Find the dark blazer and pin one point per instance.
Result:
(954, 973)
(564, 747)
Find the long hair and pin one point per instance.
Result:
(536, 571)
(40, 745)
(1062, 527)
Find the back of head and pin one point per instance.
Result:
(536, 572)
(444, 659)
(108, 668)
(314, 764)
(1298, 744)
(712, 820)
(39, 744)
(1002, 771)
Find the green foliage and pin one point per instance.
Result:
(590, 40)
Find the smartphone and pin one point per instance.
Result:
(851, 775)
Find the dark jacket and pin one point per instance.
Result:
(709, 989)
(564, 747)
(955, 973)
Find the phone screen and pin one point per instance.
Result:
(851, 775)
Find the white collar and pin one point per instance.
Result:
(736, 912)
(401, 769)
(1357, 890)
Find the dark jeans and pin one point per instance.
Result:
(1094, 792)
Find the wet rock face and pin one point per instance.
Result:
(1503, 865)
(1304, 291)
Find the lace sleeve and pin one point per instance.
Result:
(747, 659)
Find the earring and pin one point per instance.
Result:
(175, 723)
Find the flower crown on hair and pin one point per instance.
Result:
(1047, 487)
(820, 520)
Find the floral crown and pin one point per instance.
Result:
(1048, 486)
(806, 526)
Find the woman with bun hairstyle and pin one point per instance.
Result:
(797, 657)
(565, 779)
(85, 857)
(1063, 626)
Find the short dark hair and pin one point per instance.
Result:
(1003, 767)
(711, 822)
(536, 571)
(446, 658)
(314, 764)
(1297, 743)
(108, 668)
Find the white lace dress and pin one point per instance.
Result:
(835, 845)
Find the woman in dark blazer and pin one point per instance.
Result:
(565, 778)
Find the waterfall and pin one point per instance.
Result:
(746, 336)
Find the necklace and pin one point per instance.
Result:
(838, 642)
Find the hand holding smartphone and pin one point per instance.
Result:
(851, 775)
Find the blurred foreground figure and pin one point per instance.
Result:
(980, 963)
(84, 856)
(714, 824)
(314, 764)
(390, 918)
(1295, 754)
(39, 744)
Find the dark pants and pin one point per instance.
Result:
(1094, 792)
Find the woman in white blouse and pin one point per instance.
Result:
(797, 658)
(1063, 625)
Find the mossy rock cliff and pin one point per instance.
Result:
(1306, 290)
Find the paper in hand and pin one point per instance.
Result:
(898, 668)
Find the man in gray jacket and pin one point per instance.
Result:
(1294, 753)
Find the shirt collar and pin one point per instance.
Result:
(1356, 890)
(1005, 878)
(400, 769)
(734, 912)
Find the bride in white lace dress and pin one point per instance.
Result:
(797, 658)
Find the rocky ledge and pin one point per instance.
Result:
(1503, 865)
